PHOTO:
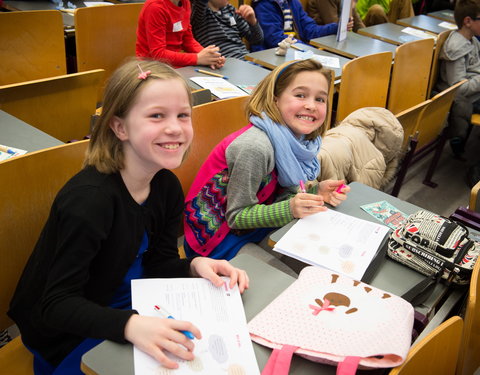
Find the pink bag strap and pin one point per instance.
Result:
(279, 361)
(348, 366)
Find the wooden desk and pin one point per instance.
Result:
(425, 23)
(444, 15)
(390, 33)
(239, 72)
(17, 133)
(354, 45)
(269, 60)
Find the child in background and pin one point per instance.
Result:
(116, 220)
(328, 11)
(164, 33)
(249, 183)
(459, 59)
(218, 22)
(280, 18)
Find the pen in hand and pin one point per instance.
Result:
(166, 315)
(302, 186)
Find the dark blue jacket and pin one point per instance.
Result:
(270, 16)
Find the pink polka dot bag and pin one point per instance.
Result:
(333, 319)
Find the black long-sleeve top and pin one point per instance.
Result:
(89, 241)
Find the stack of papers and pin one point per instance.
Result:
(219, 87)
(225, 347)
(330, 239)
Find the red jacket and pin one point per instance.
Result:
(164, 30)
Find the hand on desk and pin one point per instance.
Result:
(211, 56)
(153, 335)
(333, 192)
(305, 204)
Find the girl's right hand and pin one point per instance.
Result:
(209, 56)
(305, 204)
(154, 335)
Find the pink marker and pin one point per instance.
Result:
(302, 186)
(339, 189)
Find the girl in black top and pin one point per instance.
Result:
(114, 221)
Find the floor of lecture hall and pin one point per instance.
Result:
(452, 190)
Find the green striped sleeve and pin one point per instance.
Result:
(264, 216)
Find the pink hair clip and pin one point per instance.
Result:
(142, 74)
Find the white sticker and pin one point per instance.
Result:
(177, 26)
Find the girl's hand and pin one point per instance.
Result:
(328, 191)
(155, 335)
(210, 269)
(305, 204)
(209, 56)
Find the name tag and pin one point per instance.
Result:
(232, 21)
(177, 26)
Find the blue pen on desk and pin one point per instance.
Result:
(211, 73)
(297, 48)
(7, 150)
(166, 315)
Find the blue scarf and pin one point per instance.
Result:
(295, 159)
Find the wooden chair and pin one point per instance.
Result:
(59, 106)
(105, 36)
(364, 83)
(410, 74)
(469, 359)
(201, 96)
(33, 181)
(474, 204)
(33, 46)
(437, 353)
(441, 38)
(211, 122)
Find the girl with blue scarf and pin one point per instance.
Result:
(250, 181)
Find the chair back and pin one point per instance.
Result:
(201, 96)
(410, 74)
(32, 46)
(33, 182)
(433, 118)
(409, 118)
(469, 358)
(474, 204)
(437, 353)
(59, 106)
(211, 123)
(441, 38)
(364, 83)
(105, 36)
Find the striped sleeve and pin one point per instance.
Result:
(264, 216)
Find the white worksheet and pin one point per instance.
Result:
(330, 239)
(225, 347)
(219, 87)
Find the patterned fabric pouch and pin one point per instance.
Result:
(333, 319)
(434, 246)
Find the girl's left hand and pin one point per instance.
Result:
(210, 269)
(328, 190)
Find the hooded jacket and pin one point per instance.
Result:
(364, 147)
(460, 59)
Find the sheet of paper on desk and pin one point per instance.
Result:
(448, 25)
(6, 152)
(386, 213)
(331, 62)
(418, 33)
(330, 239)
(219, 87)
(225, 347)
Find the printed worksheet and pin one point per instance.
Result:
(330, 239)
(6, 152)
(225, 347)
(219, 87)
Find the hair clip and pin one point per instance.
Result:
(142, 74)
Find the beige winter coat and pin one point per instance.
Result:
(364, 147)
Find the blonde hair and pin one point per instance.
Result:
(273, 85)
(105, 150)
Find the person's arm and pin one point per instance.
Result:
(199, 10)
(323, 11)
(155, 25)
(189, 42)
(456, 71)
(248, 25)
(270, 18)
(307, 27)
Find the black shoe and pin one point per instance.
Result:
(457, 144)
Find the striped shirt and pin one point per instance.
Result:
(223, 28)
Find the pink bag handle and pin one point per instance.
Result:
(348, 366)
(279, 361)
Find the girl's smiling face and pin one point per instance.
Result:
(157, 130)
(303, 103)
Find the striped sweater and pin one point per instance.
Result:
(224, 28)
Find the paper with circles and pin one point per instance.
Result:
(225, 347)
(333, 240)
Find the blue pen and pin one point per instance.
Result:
(166, 315)
(211, 73)
(7, 150)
